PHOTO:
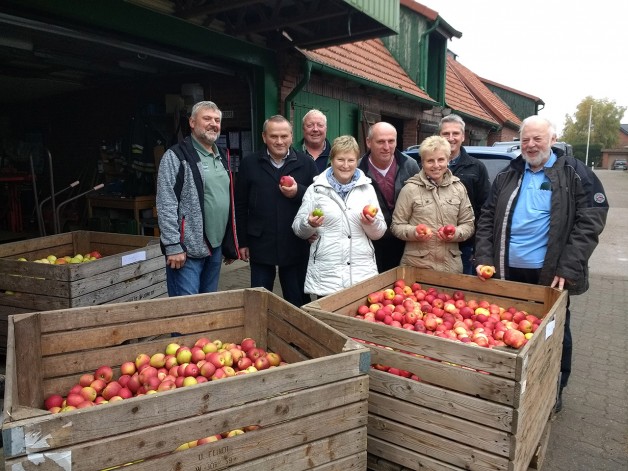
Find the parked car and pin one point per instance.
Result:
(620, 165)
(563, 147)
(494, 158)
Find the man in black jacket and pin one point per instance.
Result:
(473, 175)
(266, 206)
(542, 221)
(388, 170)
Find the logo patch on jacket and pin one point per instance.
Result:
(599, 198)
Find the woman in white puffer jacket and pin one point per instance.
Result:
(341, 253)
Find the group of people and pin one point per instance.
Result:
(538, 222)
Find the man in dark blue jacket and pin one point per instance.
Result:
(266, 206)
(542, 221)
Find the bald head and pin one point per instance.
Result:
(382, 141)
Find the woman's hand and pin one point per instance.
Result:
(315, 221)
(367, 219)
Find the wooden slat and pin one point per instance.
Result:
(443, 400)
(28, 350)
(453, 428)
(434, 446)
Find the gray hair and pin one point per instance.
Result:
(313, 112)
(276, 119)
(380, 124)
(205, 104)
(451, 118)
(538, 120)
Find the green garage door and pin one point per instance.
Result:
(342, 117)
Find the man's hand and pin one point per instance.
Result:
(289, 191)
(244, 254)
(558, 282)
(176, 261)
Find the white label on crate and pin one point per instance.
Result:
(34, 441)
(523, 387)
(62, 460)
(549, 330)
(134, 257)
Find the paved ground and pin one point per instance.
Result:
(591, 433)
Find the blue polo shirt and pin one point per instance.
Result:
(531, 219)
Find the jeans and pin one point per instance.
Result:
(291, 278)
(467, 259)
(525, 275)
(197, 275)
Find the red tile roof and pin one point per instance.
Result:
(370, 60)
(485, 98)
(510, 89)
(461, 99)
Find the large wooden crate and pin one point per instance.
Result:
(132, 268)
(457, 418)
(312, 412)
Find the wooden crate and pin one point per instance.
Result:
(456, 418)
(132, 268)
(312, 412)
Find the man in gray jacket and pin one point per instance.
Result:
(195, 206)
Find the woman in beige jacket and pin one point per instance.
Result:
(433, 212)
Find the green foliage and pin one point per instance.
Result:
(605, 124)
(595, 152)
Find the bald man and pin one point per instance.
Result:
(388, 169)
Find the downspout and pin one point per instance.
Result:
(307, 72)
(423, 55)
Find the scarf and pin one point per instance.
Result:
(340, 188)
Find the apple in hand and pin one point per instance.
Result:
(486, 271)
(287, 181)
(423, 230)
(449, 230)
(318, 212)
(370, 210)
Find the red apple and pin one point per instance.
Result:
(247, 344)
(514, 338)
(141, 360)
(370, 210)
(262, 363)
(287, 181)
(128, 368)
(86, 379)
(273, 359)
(54, 400)
(423, 230)
(105, 373)
(448, 230)
(487, 271)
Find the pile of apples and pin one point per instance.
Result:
(178, 366)
(77, 258)
(433, 312)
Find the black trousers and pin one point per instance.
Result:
(526, 275)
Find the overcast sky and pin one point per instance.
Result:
(560, 52)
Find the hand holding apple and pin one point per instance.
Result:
(485, 271)
(423, 232)
(288, 186)
(447, 232)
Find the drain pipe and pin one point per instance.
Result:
(307, 72)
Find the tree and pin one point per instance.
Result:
(605, 123)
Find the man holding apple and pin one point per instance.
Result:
(388, 169)
(542, 221)
(266, 203)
